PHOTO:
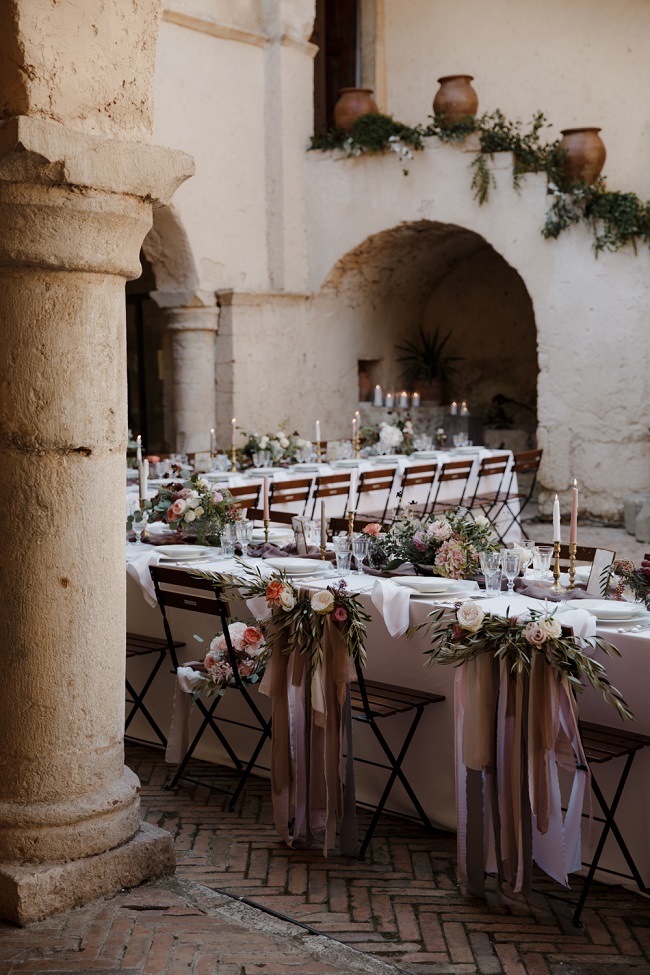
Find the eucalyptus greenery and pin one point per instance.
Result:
(615, 218)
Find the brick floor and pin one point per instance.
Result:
(400, 911)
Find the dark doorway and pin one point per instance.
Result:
(335, 65)
(145, 329)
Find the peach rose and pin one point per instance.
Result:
(373, 529)
(274, 593)
(252, 636)
(535, 634)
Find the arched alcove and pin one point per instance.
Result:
(429, 275)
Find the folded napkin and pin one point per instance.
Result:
(138, 568)
(270, 551)
(403, 570)
(540, 590)
(581, 622)
(393, 603)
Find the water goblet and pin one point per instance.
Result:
(244, 531)
(542, 556)
(510, 564)
(312, 533)
(228, 539)
(258, 460)
(491, 568)
(140, 519)
(360, 549)
(343, 561)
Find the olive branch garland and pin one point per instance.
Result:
(503, 636)
(299, 627)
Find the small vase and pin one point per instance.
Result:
(585, 155)
(352, 104)
(455, 99)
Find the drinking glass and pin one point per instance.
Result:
(140, 519)
(222, 462)
(258, 460)
(510, 566)
(312, 532)
(491, 568)
(341, 543)
(345, 449)
(343, 561)
(228, 539)
(542, 556)
(360, 549)
(244, 531)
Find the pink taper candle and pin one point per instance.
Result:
(557, 536)
(266, 498)
(573, 531)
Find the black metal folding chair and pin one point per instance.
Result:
(295, 492)
(525, 464)
(495, 469)
(602, 744)
(329, 486)
(376, 480)
(371, 702)
(139, 646)
(166, 582)
(456, 472)
(414, 476)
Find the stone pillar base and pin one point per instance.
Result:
(34, 891)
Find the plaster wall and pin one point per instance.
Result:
(581, 63)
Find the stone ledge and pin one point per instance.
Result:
(38, 151)
(33, 892)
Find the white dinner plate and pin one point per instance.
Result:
(260, 471)
(347, 462)
(425, 454)
(218, 475)
(469, 450)
(387, 459)
(431, 585)
(275, 534)
(309, 467)
(185, 553)
(608, 610)
(296, 567)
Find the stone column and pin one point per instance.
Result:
(74, 209)
(193, 345)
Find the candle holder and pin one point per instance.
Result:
(357, 446)
(556, 587)
(572, 564)
(233, 458)
(323, 549)
(318, 451)
(351, 515)
(267, 522)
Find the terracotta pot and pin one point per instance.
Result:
(352, 104)
(455, 99)
(432, 392)
(585, 154)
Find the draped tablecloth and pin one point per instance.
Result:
(430, 762)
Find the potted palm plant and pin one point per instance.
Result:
(428, 365)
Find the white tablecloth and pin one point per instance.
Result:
(430, 761)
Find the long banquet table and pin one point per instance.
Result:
(371, 501)
(430, 762)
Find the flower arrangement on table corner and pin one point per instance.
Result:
(450, 544)
(624, 574)
(192, 506)
(280, 445)
(386, 436)
(251, 653)
(298, 622)
(471, 632)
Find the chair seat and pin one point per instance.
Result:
(602, 743)
(386, 699)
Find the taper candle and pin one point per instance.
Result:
(354, 429)
(233, 430)
(266, 497)
(213, 441)
(143, 475)
(415, 400)
(138, 449)
(323, 525)
(317, 431)
(453, 409)
(573, 530)
(557, 535)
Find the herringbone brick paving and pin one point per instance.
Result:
(401, 908)
(403, 903)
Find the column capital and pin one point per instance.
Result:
(193, 319)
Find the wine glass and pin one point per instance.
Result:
(140, 519)
(510, 565)
(258, 459)
(244, 530)
(360, 549)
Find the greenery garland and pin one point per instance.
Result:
(614, 218)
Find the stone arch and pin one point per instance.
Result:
(167, 249)
(430, 274)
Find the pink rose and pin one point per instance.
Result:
(535, 634)
(218, 496)
(246, 670)
(420, 541)
(439, 530)
(252, 636)
(176, 510)
(373, 529)
(339, 614)
(184, 493)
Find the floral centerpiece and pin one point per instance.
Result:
(471, 632)
(192, 506)
(250, 651)
(624, 574)
(280, 445)
(299, 621)
(450, 544)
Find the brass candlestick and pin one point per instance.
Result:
(323, 549)
(556, 587)
(233, 458)
(351, 515)
(357, 446)
(318, 451)
(572, 564)
(267, 522)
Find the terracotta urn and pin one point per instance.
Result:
(455, 99)
(430, 391)
(585, 154)
(352, 104)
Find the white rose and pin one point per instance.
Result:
(202, 486)
(284, 443)
(551, 626)
(322, 602)
(287, 599)
(439, 529)
(194, 502)
(535, 634)
(264, 442)
(470, 616)
(189, 515)
(199, 512)
(482, 521)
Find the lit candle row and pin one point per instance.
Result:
(391, 400)
(454, 410)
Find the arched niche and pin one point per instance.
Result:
(429, 274)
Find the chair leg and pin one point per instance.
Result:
(266, 733)
(207, 720)
(139, 705)
(609, 812)
(396, 773)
